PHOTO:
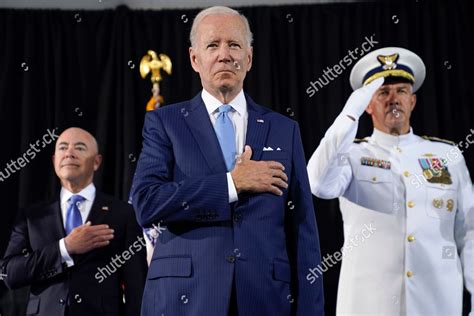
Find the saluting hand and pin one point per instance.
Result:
(360, 99)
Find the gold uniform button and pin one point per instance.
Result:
(374, 179)
(411, 238)
(438, 203)
(406, 174)
(411, 204)
(450, 205)
(398, 149)
(409, 274)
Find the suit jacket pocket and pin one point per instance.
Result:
(373, 188)
(33, 306)
(441, 201)
(281, 271)
(161, 267)
(274, 155)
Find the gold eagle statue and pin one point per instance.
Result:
(151, 62)
(154, 63)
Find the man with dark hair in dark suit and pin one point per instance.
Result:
(82, 253)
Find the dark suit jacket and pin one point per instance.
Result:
(33, 258)
(264, 243)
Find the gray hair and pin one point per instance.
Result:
(219, 10)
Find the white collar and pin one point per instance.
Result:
(212, 103)
(88, 193)
(388, 140)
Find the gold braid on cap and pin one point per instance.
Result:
(389, 66)
(388, 73)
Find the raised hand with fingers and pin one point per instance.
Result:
(360, 99)
(87, 237)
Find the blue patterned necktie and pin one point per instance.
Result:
(226, 135)
(73, 215)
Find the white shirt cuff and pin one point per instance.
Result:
(64, 254)
(233, 197)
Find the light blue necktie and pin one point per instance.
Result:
(226, 135)
(73, 215)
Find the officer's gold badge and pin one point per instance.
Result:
(435, 170)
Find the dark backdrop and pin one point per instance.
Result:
(80, 68)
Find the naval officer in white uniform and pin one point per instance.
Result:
(414, 191)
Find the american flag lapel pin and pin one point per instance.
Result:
(260, 121)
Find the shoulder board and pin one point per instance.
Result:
(436, 139)
(359, 140)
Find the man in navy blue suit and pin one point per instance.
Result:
(227, 178)
(67, 250)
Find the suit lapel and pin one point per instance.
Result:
(99, 209)
(197, 119)
(257, 128)
(57, 224)
(96, 215)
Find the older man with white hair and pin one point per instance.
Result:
(227, 178)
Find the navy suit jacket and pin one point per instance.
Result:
(264, 243)
(33, 258)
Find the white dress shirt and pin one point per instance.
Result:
(88, 193)
(239, 118)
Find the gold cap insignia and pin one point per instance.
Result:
(388, 62)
